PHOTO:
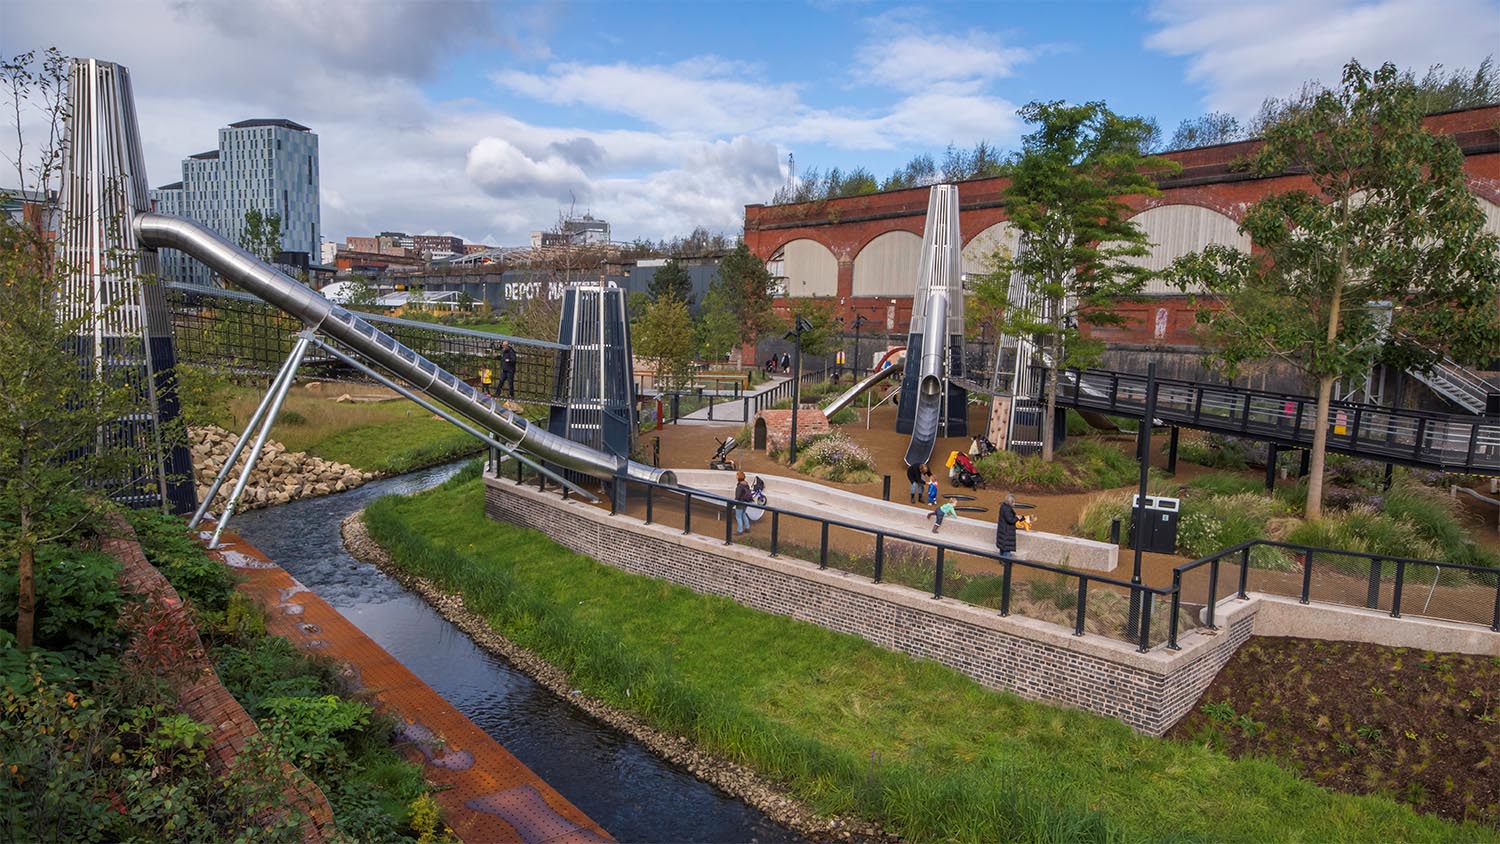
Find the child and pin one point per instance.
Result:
(947, 509)
(931, 490)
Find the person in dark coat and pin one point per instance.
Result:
(1005, 528)
(914, 476)
(507, 369)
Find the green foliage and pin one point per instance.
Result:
(78, 599)
(665, 336)
(1225, 483)
(269, 667)
(1391, 220)
(746, 292)
(823, 338)
(1083, 463)
(1216, 127)
(261, 234)
(836, 457)
(1066, 199)
(176, 553)
(718, 325)
(851, 726)
(671, 281)
(1214, 451)
(311, 730)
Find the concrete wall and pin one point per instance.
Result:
(1031, 658)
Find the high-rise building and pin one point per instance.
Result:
(270, 165)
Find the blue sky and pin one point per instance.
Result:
(487, 119)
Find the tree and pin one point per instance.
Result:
(671, 281)
(823, 338)
(747, 293)
(57, 411)
(1216, 127)
(718, 325)
(1390, 219)
(664, 335)
(1065, 199)
(261, 234)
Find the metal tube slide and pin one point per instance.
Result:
(286, 294)
(929, 380)
(848, 396)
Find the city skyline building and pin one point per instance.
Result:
(265, 164)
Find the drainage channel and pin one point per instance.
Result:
(614, 779)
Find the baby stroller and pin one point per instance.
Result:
(966, 474)
(721, 459)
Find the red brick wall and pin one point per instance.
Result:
(846, 225)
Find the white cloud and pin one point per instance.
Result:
(908, 59)
(1243, 53)
(704, 135)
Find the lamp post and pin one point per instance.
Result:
(799, 325)
(859, 320)
(1143, 452)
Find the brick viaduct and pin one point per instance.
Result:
(1212, 178)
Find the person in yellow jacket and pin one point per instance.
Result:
(487, 381)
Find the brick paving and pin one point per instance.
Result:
(487, 795)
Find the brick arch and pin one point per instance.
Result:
(888, 265)
(1180, 229)
(985, 242)
(809, 268)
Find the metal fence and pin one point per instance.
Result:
(1412, 437)
(228, 330)
(1085, 602)
(1398, 585)
(738, 406)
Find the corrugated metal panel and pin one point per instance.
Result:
(984, 244)
(811, 270)
(888, 265)
(1177, 230)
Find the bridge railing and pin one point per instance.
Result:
(1405, 436)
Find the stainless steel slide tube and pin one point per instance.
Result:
(286, 294)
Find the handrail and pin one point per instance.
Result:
(942, 548)
(1309, 554)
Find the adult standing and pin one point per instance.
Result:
(507, 368)
(786, 363)
(742, 498)
(914, 477)
(1005, 527)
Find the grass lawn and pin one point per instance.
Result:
(851, 727)
(392, 436)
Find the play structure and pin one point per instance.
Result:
(106, 204)
(931, 404)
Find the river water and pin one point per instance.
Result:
(613, 778)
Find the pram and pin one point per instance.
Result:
(966, 474)
(721, 459)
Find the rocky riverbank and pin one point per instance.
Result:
(280, 476)
(733, 778)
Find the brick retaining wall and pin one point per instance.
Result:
(1031, 658)
(203, 697)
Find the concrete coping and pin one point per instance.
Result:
(911, 521)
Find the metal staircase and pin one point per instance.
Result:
(1458, 385)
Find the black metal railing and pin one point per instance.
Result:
(1471, 594)
(1410, 437)
(1079, 598)
(739, 406)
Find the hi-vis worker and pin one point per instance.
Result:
(487, 381)
(838, 365)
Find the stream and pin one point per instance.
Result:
(613, 778)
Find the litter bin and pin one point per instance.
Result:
(1155, 523)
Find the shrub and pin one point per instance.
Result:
(172, 549)
(77, 597)
(1224, 483)
(1098, 512)
(1100, 465)
(838, 458)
